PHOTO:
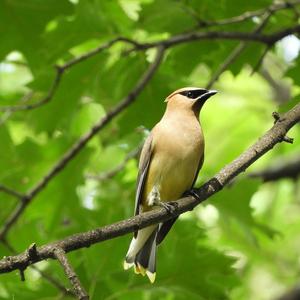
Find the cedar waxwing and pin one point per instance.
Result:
(169, 164)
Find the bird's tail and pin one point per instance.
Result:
(142, 253)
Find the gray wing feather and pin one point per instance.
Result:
(199, 167)
(145, 159)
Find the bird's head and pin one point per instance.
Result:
(191, 98)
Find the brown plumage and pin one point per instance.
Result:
(169, 164)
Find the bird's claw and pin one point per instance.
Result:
(170, 207)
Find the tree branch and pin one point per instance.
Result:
(60, 69)
(289, 169)
(54, 282)
(78, 146)
(293, 294)
(238, 50)
(268, 39)
(43, 274)
(275, 135)
(44, 100)
(113, 172)
(79, 291)
(250, 14)
(10, 191)
(261, 60)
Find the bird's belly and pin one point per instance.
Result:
(177, 178)
(171, 175)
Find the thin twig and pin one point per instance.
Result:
(173, 41)
(238, 50)
(294, 7)
(10, 191)
(79, 290)
(78, 146)
(250, 15)
(113, 172)
(41, 102)
(54, 282)
(7, 114)
(292, 294)
(98, 50)
(43, 274)
(268, 39)
(60, 69)
(80, 240)
(228, 61)
(284, 169)
(15, 62)
(192, 13)
(269, 12)
(260, 61)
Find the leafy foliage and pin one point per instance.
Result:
(225, 246)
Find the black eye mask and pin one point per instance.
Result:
(193, 94)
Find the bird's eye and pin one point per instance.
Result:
(193, 94)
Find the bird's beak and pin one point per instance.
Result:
(207, 95)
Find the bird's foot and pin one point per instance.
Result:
(170, 207)
(154, 200)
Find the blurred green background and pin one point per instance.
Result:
(243, 243)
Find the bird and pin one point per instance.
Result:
(170, 160)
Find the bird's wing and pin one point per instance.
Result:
(198, 169)
(145, 159)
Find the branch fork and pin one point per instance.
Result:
(277, 118)
(79, 290)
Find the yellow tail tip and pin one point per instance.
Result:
(127, 265)
(141, 269)
(151, 276)
(138, 269)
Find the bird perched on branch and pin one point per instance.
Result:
(169, 164)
